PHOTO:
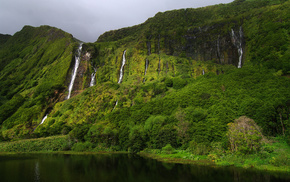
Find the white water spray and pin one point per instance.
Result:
(122, 67)
(93, 78)
(43, 119)
(203, 72)
(237, 41)
(77, 63)
(115, 105)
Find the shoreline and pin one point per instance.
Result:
(166, 158)
(207, 162)
(274, 160)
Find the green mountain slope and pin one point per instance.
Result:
(180, 86)
(34, 68)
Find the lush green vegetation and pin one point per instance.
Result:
(153, 114)
(274, 156)
(193, 102)
(34, 68)
(49, 144)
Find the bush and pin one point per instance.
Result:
(168, 82)
(81, 147)
(179, 83)
(281, 160)
(79, 132)
(198, 148)
(244, 135)
(168, 149)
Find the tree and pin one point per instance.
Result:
(244, 135)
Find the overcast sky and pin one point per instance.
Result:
(86, 19)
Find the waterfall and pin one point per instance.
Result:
(149, 47)
(115, 105)
(240, 48)
(237, 41)
(146, 67)
(93, 79)
(43, 119)
(147, 61)
(77, 63)
(122, 67)
(203, 72)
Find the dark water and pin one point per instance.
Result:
(117, 168)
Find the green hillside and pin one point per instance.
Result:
(34, 68)
(181, 83)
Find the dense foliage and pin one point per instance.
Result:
(154, 114)
(34, 68)
(180, 87)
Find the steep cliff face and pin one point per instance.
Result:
(82, 80)
(183, 33)
(224, 34)
(169, 76)
(34, 66)
(208, 43)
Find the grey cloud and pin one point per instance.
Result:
(86, 19)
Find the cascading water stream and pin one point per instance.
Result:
(122, 67)
(93, 78)
(146, 67)
(237, 41)
(147, 61)
(203, 72)
(115, 105)
(43, 119)
(121, 73)
(77, 63)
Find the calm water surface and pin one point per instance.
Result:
(117, 168)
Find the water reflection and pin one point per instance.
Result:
(76, 168)
(36, 172)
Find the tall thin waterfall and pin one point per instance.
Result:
(43, 119)
(237, 41)
(77, 63)
(93, 78)
(203, 72)
(115, 105)
(121, 74)
(122, 67)
(146, 67)
(147, 61)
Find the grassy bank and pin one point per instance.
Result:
(273, 157)
(56, 144)
(49, 144)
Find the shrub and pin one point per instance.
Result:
(81, 147)
(244, 135)
(198, 148)
(79, 132)
(168, 82)
(168, 149)
(179, 83)
(281, 160)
